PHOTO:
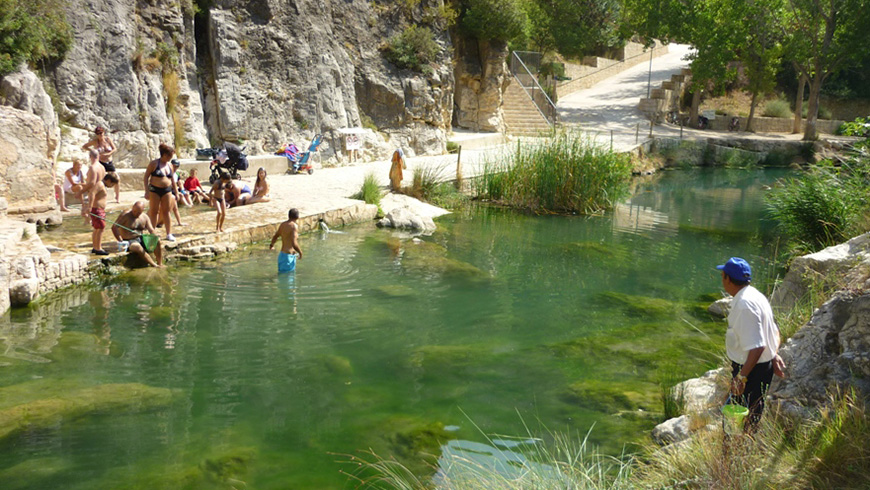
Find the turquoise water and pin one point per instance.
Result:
(224, 372)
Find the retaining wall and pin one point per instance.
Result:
(583, 77)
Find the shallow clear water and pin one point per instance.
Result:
(498, 321)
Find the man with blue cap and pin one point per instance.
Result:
(752, 339)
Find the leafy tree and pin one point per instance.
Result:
(580, 26)
(825, 36)
(501, 20)
(32, 31)
(540, 29)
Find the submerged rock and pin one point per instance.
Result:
(406, 219)
(641, 306)
(432, 257)
(607, 397)
(68, 405)
(720, 307)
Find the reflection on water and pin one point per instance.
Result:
(380, 341)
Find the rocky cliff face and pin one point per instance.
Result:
(481, 77)
(261, 71)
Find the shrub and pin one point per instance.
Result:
(824, 112)
(566, 174)
(452, 147)
(413, 48)
(33, 31)
(820, 208)
(777, 108)
(858, 127)
(671, 392)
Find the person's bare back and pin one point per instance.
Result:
(288, 231)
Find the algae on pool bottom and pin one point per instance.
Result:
(378, 342)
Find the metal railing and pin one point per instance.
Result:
(526, 74)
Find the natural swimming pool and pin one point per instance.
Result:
(224, 371)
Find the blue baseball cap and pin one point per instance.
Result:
(737, 269)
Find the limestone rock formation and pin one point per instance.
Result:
(24, 90)
(481, 76)
(263, 72)
(704, 396)
(832, 350)
(848, 261)
(27, 173)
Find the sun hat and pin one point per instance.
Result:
(737, 269)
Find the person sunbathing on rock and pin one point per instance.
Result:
(130, 227)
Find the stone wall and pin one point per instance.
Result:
(585, 76)
(762, 124)
(28, 269)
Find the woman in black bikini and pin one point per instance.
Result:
(159, 188)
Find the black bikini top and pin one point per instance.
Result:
(162, 170)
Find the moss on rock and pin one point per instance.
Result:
(640, 306)
(61, 403)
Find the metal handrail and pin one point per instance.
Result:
(529, 82)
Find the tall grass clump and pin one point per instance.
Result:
(822, 207)
(370, 192)
(565, 174)
(565, 461)
(671, 391)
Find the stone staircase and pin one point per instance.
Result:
(666, 98)
(521, 115)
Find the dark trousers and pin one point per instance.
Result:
(757, 384)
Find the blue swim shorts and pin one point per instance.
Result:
(286, 262)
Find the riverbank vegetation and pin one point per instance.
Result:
(827, 450)
(565, 174)
(825, 205)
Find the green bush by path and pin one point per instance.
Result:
(33, 31)
(565, 174)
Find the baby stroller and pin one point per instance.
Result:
(231, 159)
(303, 162)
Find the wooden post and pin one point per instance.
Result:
(636, 133)
(459, 168)
(611, 140)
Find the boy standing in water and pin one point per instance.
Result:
(97, 211)
(290, 251)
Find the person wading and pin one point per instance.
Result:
(752, 339)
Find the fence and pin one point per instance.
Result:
(527, 77)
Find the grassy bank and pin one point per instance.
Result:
(828, 450)
(565, 174)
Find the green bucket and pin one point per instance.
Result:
(150, 241)
(733, 417)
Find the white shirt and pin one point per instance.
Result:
(751, 325)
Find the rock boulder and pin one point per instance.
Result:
(24, 90)
(832, 350)
(27, 173)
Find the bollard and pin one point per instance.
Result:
(636, 133)
(459, 168)
(681, 128)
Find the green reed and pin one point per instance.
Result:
(565, 174)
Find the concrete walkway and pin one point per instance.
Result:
(611, 105)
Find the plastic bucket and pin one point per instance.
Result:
(733, 417)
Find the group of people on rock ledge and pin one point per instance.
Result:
(163, 190)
